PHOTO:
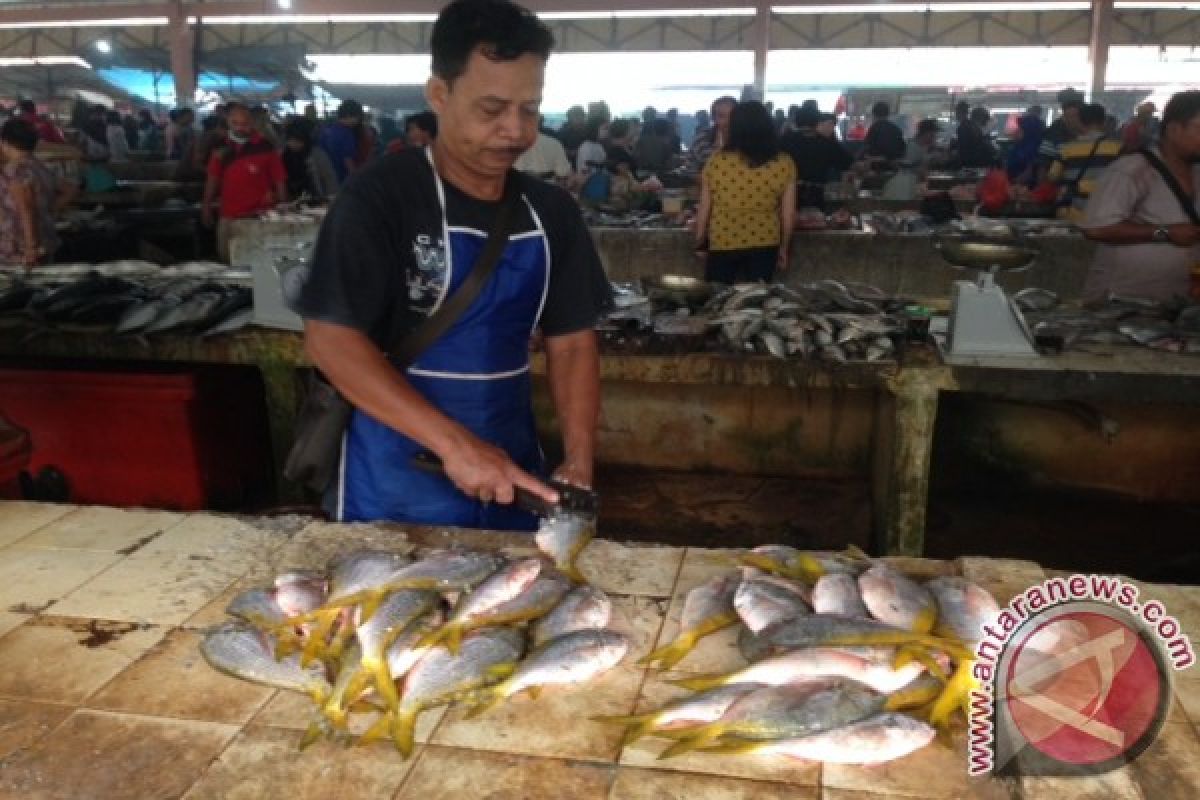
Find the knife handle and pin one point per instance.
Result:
(524, 499)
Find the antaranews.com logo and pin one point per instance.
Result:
(1074, 678)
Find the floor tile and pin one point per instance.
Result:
(173, 680)
(159, 588)
(293, 711)
(630, 570)
(644, 752)
(641, 619)
(556, 725)
(1187, 691)
(717, 652)
(64, 660)
(444, 773)
(650, 784)
(265, 762)
(32, 580)
(106, 529)
(115, 756)
(18, 520)
(23, 724)
(1109, 786)
(10, 620)
(320, 543)
(1170, 767)
(218, 537)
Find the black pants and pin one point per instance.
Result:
(735, 266)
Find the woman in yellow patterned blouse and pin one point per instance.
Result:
(747, 201)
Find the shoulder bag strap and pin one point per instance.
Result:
(437, 323)
(1073, 186)
(1188, 205)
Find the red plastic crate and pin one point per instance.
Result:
(185, 439)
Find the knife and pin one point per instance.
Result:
(571, 499)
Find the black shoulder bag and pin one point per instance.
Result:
(1188, 205)
(313, 460)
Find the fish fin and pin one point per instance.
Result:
(498, 672)
(926, 620)
(760, 561)
(734, 746)
(636, 725)
(856, 553)
(700, 738)
(378, 730)
(312, 733)
(431, 639)
(919, 700)
(806, 569)
(953, 695)
(314, 648)
(385, 685)
(453, 638)
(700, 683)
(671, 654)
(404, 731)
(910, 653)
(484, 701)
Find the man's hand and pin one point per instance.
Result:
(1184, 235)
(485, 472)
(574, 474)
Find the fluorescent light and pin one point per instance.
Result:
(649, 13)
(45, 61)
(103, 46)
(129, 22)
(936, 8)
(285, 4)
(314, 19)
(1159, 6)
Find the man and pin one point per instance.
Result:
(1080, 163)
(420, 129)
(1149, 243)
(546, 160)
(1141, 131)
(713, 139)
(819, 159)
(922, 150)
(340, 140)
(884, 140)
(247, 174)
(1065, 128)
(975, 148)
(383, 263)
(46, 130)
(573, 132)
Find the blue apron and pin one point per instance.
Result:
(477, 374)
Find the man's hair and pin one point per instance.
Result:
(880, 110)
(806, 117)
(618, 129)
(752, 133)
(980, 115)
(928, 126)
(1092, 114)
(27, 106)
(236, 105)
(426, 121)
(1181, 108)
(20, 134)
(350, 109)
(1070, 98)
(503, 31)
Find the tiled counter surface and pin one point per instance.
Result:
(103, 693)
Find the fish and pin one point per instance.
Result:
(874, 670)
(685, 713)
(773, 344)
(445, 570)
(875, 740)
(562, 538)
(963, 608)
(837, 593)
(785, 712)
(406, 650)
(231, 324)
(187, 315)
(247, 653)
(804, 565)
(535, 602)
(475, 609)
(300, 591)
(572, 658)
(827, 630)
(897, 600)
(441, 677)
(765, 601)
(258, 607)
(584, 608)
(1034, 299)
(707, 609)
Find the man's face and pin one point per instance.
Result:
(826, 128)
(577, 119)
(240, 122)
(415, 137)
(1186, 137)
(721, 114)
(1071, 119)
(489, 115)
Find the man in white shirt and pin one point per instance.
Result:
(546, 159)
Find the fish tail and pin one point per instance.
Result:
(378, 730)
(806, 569)
(856, 553)
(913, 699)
(671, 654)
(953, 696)
(312, 733)
(759, 561)
(701, 683)
(498, 672)
(734, 746)
(314, 648)
(385, 685)
(909, 653)
(701, 737)
(572, 571)
(453, 638)
(926, 620)
(338, 644)
(404, 730)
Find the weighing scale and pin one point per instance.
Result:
(984, 321)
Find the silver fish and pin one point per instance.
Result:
(584, 608)
(764, 601)
(562, 537)
(963, 608)
(475, 609)
(874, 740)
(573, 658)
(897, 600)
(837, 593)
(249, 654)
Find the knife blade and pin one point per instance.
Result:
(571, 499)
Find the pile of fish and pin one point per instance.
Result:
(384, 634)
(1171, 327)
(826, 320)
(849, 661)
(190, 299)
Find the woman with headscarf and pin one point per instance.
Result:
(29, 199)
(1023, 158)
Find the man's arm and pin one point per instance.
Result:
(362, 373)
(573, 370)
(787, 222)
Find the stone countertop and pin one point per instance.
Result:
(103, 693)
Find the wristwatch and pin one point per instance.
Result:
(1160, 235)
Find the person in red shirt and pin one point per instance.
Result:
(246, 173)
(47, 131)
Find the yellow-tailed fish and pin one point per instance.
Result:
(249, 654)
(897, 600)
(873, 669)
(396, 613)
(445, 570)
(572, 658)
(682, 714)
(963, 608)
(584, 608)
(918, 694)
(706, 609)
(787, 712)
(474, 610)
(784, 561)
(407, 649)
(766, 600)
(562, 537)
(877, 739)
(440, 677)
(829, 630)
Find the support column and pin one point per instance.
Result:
(183, 54)
(1098, 44)
(762, 44)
